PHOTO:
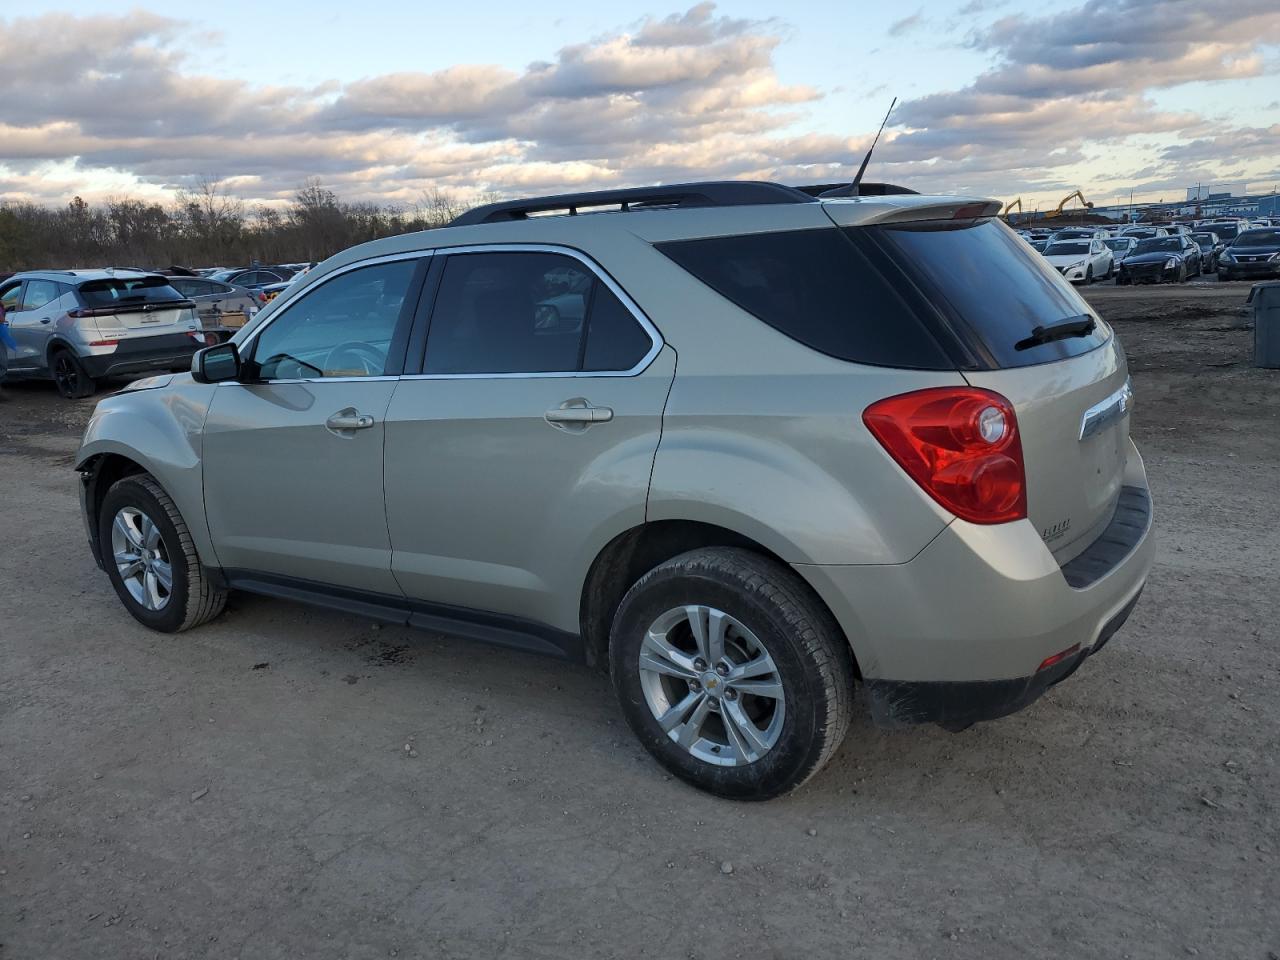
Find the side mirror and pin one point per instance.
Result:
(216, 364)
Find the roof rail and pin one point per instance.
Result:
(720, 193)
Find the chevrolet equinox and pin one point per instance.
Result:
(746, 446)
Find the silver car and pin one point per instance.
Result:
(792, 446)
(78, 327)
(221, 306)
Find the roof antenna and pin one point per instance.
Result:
(852, 189)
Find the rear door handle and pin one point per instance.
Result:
(347, 422)
(577, 414)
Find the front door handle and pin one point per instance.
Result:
(45, 320)
(577, 414)
(346, 422)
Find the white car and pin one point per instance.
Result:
(1081, 261)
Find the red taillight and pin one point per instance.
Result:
(1057, 658)
(262, 297)
(961, 445)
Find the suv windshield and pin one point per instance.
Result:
(1119, 243)
(1067, 246)
(1226, 231)
(1204, 239)
(1158, 245)
(128, 290)
(1258, 238)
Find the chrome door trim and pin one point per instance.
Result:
(1105, 412)
(656, 342)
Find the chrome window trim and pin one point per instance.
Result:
(656, 342)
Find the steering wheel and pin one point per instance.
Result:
(355, 359)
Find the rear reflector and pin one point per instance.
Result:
(961, 445)
(1057, 658)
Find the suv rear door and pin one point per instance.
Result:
(525, 438)
(293, 456)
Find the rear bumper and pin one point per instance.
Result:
(167, 352)
(958, 633)
(956, 705)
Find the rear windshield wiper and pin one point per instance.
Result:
(1080, 326)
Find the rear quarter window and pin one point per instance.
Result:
(816, 287)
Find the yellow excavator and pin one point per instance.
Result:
(1057, 211)
(1007, 212)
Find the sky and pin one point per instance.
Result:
(388, 101)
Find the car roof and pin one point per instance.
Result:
(81, 276)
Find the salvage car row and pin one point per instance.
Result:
(1156, 253)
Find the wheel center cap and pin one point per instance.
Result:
(712, 683)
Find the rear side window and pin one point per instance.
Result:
(992, 290)
(40, 293)
(127, 290)
(517, 312)
(816, 287)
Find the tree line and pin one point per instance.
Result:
(205, 226)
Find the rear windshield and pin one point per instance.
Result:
(1258, 238)
(991, 290)
(1118, 244)
(1067, 246)
(930, 295)
(127, 291)
(1226, 231)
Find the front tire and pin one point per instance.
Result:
(151, 558)
(732, 673)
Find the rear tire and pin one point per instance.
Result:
(70, 377)
(144, 543)
(775, 633)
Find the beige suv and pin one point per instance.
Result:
(749, 448)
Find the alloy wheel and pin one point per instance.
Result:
(141, 558)
(711, 685)
(66, 375)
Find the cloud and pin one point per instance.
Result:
(118, 100)
(904, 26)
(1066, 87)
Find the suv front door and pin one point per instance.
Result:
(31, 326)
(525, 440)
(293, 456)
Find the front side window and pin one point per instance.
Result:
(342, 328)
(11, 297)
(528, 312)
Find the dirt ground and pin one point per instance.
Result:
(245, 790)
